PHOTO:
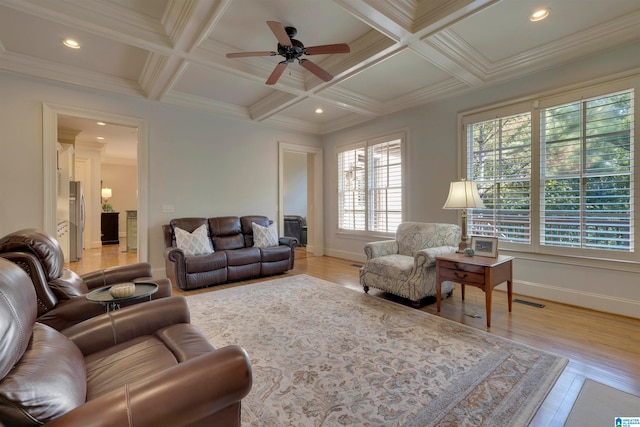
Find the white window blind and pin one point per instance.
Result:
(370, 180)
(587, 173)
(351, 189)
(499, 161)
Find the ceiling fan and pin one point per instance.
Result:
(292, 49)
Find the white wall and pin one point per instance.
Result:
(201, 164)
(432, 163)
(295, 184)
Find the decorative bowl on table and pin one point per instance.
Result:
(122, 290)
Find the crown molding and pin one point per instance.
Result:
(186, 100)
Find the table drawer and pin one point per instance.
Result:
(452, 265)
(460, 275)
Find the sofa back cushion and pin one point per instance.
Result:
(226, 233)
(187, 224)
(247, 227)
(49, 381)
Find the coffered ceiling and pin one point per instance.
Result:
(404, 53)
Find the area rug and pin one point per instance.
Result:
(326, 355)
(600, 405)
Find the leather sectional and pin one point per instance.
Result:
(234, 257)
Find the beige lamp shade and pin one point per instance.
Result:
(463, 195)
(106, 193)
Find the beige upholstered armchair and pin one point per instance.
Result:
(406, 266)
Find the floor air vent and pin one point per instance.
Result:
(532, 304)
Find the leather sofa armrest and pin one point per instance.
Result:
(70, 312)
(175, 266)
(119, 274)
(222, 378)
(118, 326)
(292, 242)
(381, 248)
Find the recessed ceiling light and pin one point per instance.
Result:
(539, 15)
(101, 123)
(319, 110)
(100, 137)
(71, 43)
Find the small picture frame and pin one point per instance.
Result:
(485, 246)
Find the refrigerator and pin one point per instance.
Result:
(76, 220)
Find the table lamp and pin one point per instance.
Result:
(463, 195)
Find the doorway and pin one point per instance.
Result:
(314, 214)
(51, 116)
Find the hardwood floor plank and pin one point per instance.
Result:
(600, 346)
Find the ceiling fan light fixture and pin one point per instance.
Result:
(71, 43)
(539, 15)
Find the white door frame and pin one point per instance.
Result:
(50, 114)
(315, 242)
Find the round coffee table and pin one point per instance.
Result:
(110, 303)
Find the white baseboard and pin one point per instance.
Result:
(598, 302)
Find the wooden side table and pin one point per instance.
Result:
(482, 272)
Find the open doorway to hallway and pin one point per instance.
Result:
(100, 164)
(300, 191)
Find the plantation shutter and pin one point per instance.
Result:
(385, 186)
(351, 189)
(587, 173)
(499, 161)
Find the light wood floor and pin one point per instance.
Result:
(599, 346)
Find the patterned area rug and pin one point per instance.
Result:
(325, 355)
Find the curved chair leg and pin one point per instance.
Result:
(366, 289)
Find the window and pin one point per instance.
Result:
(370, 185)
(500, 163)
(586, 173)
(556, 175)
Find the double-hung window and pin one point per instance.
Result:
(370, 180)
(556, 175)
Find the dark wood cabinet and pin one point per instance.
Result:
(110, 228)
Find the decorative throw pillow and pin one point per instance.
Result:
(265, 237)
(196, 243)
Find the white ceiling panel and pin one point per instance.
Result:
(396, 76)
(205, 82)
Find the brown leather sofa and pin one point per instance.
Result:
(61, 293)
(143, 365)
(234, 256)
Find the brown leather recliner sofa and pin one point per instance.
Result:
(234, 257)
(143, 365)
(61, 293)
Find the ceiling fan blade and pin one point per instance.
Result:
(322, 74)
(280, 33)
(276, 73)
(244, 54)
(327, 48)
